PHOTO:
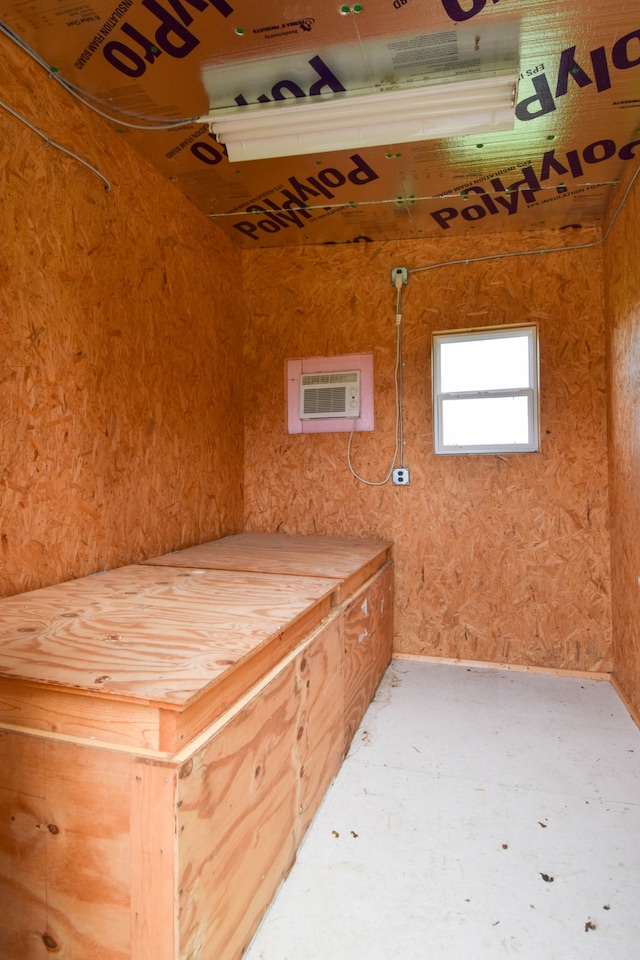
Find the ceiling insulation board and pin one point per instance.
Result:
(574, 143)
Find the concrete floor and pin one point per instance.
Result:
(480, 813)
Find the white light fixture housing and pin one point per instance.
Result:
(350, 120)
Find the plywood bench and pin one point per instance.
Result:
(167, 732)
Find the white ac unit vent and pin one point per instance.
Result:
(325, 396)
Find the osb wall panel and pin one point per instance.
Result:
(497, 558)
(622, 287)
(120, 422)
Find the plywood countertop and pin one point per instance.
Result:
(352, 561)
(149, 654)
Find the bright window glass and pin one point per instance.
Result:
(497, 363)
(486, 391)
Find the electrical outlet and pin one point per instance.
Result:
(400, 476)
(399, 274)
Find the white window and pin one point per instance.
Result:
(485, 390)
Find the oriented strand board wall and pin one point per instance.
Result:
(622, 286)
(120, 342)
(497, 558)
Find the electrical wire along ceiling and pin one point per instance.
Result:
(313, 122)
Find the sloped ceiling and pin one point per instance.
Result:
(576, 135)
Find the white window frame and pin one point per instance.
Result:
(531, 392)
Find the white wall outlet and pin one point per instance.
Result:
(399, 276)
(400, 476)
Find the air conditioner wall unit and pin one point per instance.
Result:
(330, 395)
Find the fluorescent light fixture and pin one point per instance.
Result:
(350, 120)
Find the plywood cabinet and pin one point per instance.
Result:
(368, 623)
(167, 732)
